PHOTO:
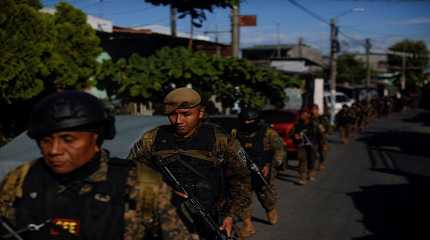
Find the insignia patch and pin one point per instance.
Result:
(102, 198)
(248, 145)
(242, 156)
(71, 226)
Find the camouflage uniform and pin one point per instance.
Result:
(225, 156)
(324, 126)
(148, 213)
(307, 147)
(343, 122)
(272, 144)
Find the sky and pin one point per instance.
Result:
(281, 21)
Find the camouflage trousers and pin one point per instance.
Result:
(307, 157)
(322, 152)
(267, 198)
(344, 133)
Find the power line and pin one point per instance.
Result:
(311, 13)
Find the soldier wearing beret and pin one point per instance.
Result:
(202, 157)
(76, 190)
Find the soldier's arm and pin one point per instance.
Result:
(172, 227)
(10, 189)
(277, 146)
(239, 180)
(141, 151)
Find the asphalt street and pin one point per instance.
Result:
(375, 187)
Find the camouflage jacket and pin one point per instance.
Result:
(237, 174)
(324, 127)
(272, 142)
(307, 132)
(153, 217)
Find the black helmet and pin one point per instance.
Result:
(70, 110)
(249, 114)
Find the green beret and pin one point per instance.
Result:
(181, 98)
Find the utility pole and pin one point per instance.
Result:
(278, 36)
(235, 31)
(173, 12)
(333, 58)
(301, 43)
(368, 47)
(403, 77)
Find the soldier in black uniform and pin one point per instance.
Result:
(202, 157)
(265, 148)
(76, 190)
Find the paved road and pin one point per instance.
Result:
(375, 187)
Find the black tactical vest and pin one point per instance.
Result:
(193, 162)
(96, 215)
(253, 144)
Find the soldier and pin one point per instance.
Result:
(266, 149)
(306, 134)
(324, 126)
(343, 123)
(202, 157)
(76, 190)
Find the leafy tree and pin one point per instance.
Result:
(194, 8)
(414, 64)
(350, 69)
(228, 79)
(73, 59)
(41, 51)
(25, 38)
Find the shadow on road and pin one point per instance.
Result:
(287, 177)
(256, 219)
(422, 117)
(394, 211)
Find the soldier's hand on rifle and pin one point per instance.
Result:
(227, 226)
(265, 171)
(181, 194)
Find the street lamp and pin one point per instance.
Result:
(334, 48)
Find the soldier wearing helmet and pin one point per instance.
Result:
(76, 190)
(343, 123)
(306, 134)
(265, 148)
(202, 157)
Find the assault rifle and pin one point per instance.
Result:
(254, 169)
(305, 139)
(15, 233)
(191, 202)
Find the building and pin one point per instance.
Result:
(289, 58)
(377, 61)
(121, 42)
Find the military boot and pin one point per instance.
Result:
(248, 228)
(302, 180)
(311, 175)
(272, 216)
(321, 167)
